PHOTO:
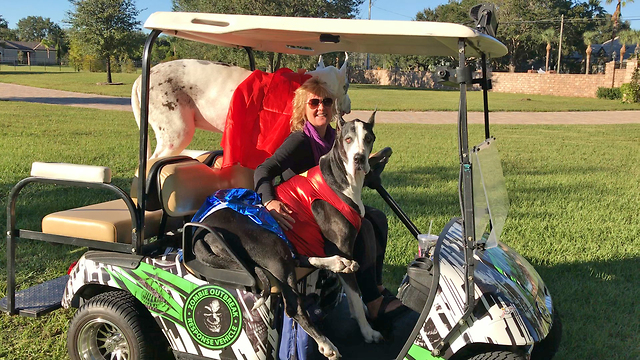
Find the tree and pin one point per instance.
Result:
(548, 36)
(520, 20)
(5, 32)
(103, 28)
(589, 37)
(625, 37)
(616, 22)
(517, 21)
(636, 39)
(37, 28)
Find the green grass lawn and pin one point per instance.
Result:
(363, 97)
(574, 212)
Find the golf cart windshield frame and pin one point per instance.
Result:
(309, 37)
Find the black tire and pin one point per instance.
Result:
(114, 325)
(498, 355)
(547, 348)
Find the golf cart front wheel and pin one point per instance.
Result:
(112, 326)
(498, 355)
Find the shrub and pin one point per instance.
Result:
(609, 93)
(631, 92)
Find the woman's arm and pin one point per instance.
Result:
(293, 155)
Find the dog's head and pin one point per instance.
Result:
(337, 81)
(354, 140)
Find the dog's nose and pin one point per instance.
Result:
(359, 158)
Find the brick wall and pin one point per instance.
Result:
(578, 85)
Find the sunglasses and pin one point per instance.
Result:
(314, 103)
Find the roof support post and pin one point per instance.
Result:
(465, 189)
(138, 235)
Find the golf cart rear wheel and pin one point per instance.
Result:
(113, 326)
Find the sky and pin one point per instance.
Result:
(12, 10)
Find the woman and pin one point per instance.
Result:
(314, 108)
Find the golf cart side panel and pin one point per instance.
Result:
(511, 299)
(196, 317)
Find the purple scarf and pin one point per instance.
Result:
(320, 146)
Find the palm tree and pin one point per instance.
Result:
(589, 37)
(616, 17)
(626, 36)
(636, 39)
(548, 36)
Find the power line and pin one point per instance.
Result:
(392, 12)
(566, 20)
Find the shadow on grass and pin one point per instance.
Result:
(598, 302)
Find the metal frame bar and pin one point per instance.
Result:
(144, 138)
(466, 207)
(413, 229)
(466, 200)
(252, 59)
(485, 95)
(13, 234)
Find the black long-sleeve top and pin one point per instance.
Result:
(293, 157)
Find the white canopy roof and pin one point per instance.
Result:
(315, 36)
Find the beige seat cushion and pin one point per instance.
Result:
(108, 221)
(185, 186)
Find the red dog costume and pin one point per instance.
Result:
(298, 193)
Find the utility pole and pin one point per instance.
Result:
(367, 65)
(560, 42)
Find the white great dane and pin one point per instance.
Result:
(189, 94)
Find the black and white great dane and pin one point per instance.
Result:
(344, 169)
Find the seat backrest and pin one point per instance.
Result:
(155, 166)
(184, 186)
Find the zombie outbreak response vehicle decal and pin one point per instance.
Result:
(196, 317)
(212, 317)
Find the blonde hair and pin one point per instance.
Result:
(312, 86)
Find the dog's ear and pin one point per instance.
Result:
(320, 63)
(341, 122)
(372, 118)
(343, 68)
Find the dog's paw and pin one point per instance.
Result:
(371, 335)
(327, 349)
(335, 263)
(342, 265)
(258, 304)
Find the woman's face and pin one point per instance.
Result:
(319, 111)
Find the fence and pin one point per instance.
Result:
(577, 85)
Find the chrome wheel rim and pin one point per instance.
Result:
(101, 339)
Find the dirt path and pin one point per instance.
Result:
(12, 92)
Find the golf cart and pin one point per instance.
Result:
(141, 292)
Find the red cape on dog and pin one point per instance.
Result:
(259, 117)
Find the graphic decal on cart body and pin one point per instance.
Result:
(212, 317)
(513, 306)
(196, 317)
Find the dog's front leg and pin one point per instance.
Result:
(350, 286)
(339, 231)
(293, 308)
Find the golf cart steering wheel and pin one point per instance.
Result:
(377, 163)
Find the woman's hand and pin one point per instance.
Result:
(280, 212)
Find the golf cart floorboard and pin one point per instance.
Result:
(40, 299)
